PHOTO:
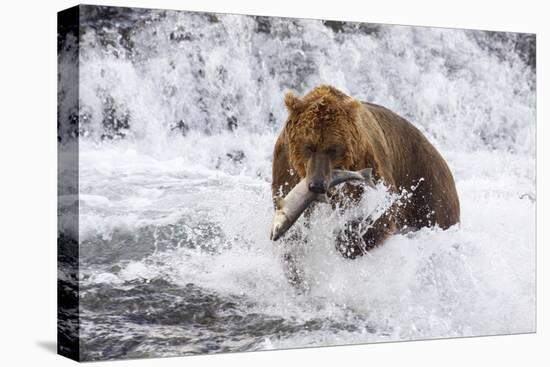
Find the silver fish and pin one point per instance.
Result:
(289, 209)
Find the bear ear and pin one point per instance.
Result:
(353, 105)
(293, 103)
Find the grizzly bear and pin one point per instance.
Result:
(326, 130)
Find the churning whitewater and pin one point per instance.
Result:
(178, 115)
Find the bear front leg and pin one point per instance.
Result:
(351, 243)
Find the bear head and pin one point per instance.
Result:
(322, 132)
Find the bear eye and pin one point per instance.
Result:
(309, 148)
(331, 151)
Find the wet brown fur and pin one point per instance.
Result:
(367, 135)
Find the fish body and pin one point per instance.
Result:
(340, 176)
(289, 209)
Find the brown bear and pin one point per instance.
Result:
(326, 129)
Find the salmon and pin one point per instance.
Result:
(289, 209)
